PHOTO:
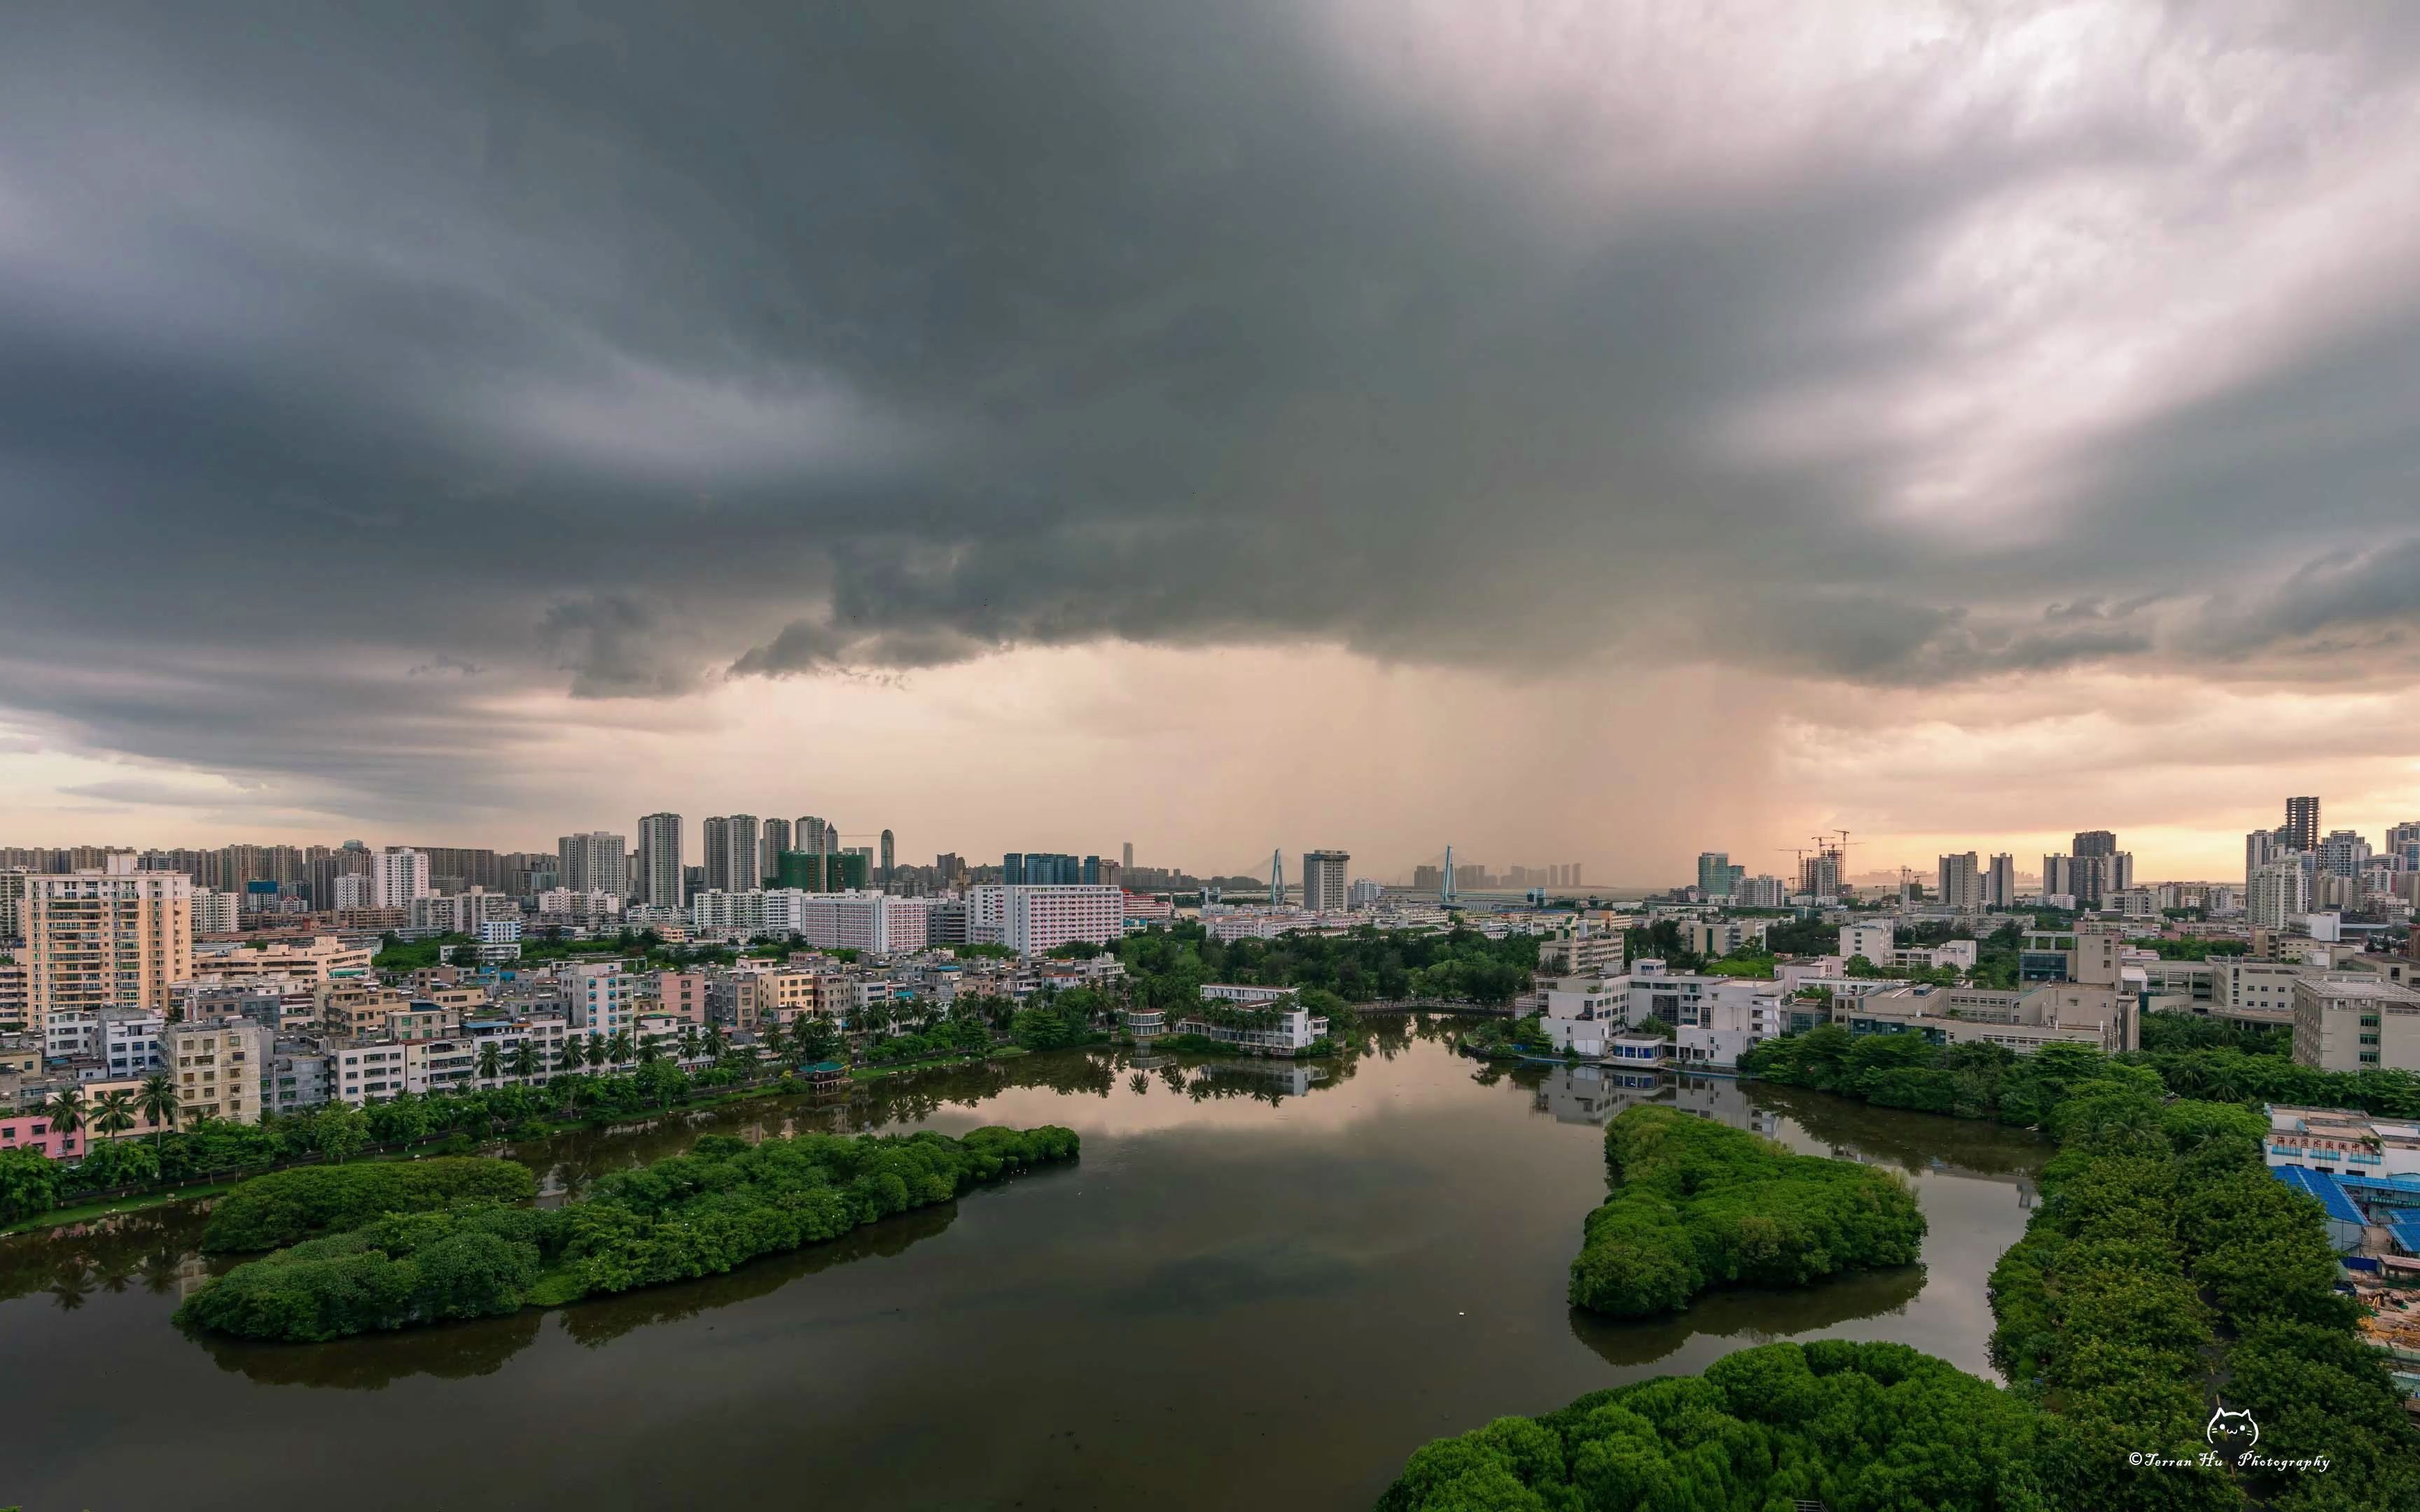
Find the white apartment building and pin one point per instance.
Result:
(217, 913)
(1033, 919)
(596, 997)
(113, 938)
(568, 903)
(353, 890)
(364, 1074)
(463, 913)
(2275, 893)
(400, 874)
(869, 921)
(125, 1041)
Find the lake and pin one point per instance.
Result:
(1263, 1286)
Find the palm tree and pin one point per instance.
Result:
(491, 1061)
(717, 1044)
(688, 1042)
(618, 1049)
(575, 1053)
(157, 1101)
(65, 1108)
(598, 1051)
(524, 1062)
(114, 1114)
(650, 1052)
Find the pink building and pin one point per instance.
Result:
(32, 1131)
(682, 994)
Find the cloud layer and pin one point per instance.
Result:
(378, 389)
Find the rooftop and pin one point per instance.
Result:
(2364, 985)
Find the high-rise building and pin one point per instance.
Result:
(1322, 880)
(402, 874)
(2403, 846)
(106, 937)
(2276, 893)
(2302, 828)
(595, 861)
(888, 859)
(732, 853)
(2058, 876)
(814, 836)
(2343, 854)
(1961, 880)
(1715, 873)
(1042, 869)
(1819, 875)
(1760, 891)
(768, 850)
(2262, 847)
(1127, 860)
(12, 900)
(659, 861)
(2000, 882)
(1032, 920)
(2095, 842)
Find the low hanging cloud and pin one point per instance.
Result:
(620, 352)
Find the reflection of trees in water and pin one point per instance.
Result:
(1761, 1316)
(372, 1362)
(568, 1162)
(601, 1320)
(1913, 1141)
(152, 1249)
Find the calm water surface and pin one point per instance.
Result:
(1253, 1290)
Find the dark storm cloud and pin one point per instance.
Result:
(611, 347)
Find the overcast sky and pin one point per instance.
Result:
(1582, 431)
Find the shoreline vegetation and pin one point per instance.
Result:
(703, 1213)
(1695, 1205)
(2164, 1273)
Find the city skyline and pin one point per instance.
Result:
(692, 840)
(459, 429)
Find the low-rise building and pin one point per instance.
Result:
(2050, 1013)
(299, 1077)
(122, 1041)
(35, 1130)
(1278, 1023)
(218, 1068)
(2343, 1142)
(2355, 1021)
